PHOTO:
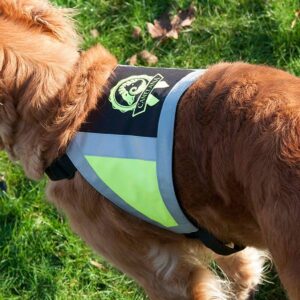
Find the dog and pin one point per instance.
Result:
(236, 159)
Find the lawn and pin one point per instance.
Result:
(40, 258)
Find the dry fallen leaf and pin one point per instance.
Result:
(155, 30)
(94, 33)
(166, 27)
(297, 16)
(148, 57)
(137, 31)
(145, 56)
(173, 34)
(97, 265)
(132, 61)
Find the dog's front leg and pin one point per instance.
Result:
(163, 263)
(181, 272)
(244, 269)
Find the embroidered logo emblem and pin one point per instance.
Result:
(135, 93)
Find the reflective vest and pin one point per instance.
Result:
(125, 147)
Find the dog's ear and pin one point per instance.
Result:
(43, 16)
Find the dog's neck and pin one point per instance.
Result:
(56, 119)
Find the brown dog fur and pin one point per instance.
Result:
(237, 152)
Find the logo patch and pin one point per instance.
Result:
(135, 93)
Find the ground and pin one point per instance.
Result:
(40, 258)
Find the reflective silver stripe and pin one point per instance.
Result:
(165, 149)
(76, 155)
(106, 145)
(113, 145)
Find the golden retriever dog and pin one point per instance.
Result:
(236, 159)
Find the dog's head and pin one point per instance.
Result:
(38, 50)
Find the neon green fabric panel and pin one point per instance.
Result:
(135, 181)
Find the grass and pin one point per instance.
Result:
(40, 258)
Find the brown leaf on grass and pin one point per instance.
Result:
(132, 61)
(297, 16)
(155, 30)
(94, 33)
(96, 264)
(148, 57)
(169, 27)
(145, 56)
(173, 34)
(137, 31)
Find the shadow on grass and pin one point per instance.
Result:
(8, 223)
(272, 289)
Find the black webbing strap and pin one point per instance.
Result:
(61, 168)
(213, 243)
